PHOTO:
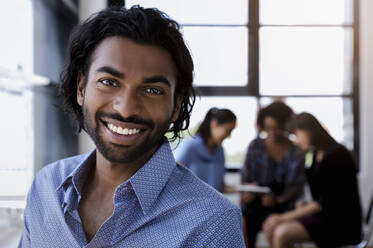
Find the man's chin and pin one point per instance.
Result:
(115, 153)
(119, 154)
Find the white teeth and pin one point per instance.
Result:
(123, 131)
(120, 130)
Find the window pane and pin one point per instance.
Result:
(200, 12)
(16, 39)
(305, 60)
(16, 44)
(220, 55)
(335, 113)
(16, 160)
(245, 109)
(306, 11)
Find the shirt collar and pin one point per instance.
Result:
(78, 175)
(150, 179)
(147, 182)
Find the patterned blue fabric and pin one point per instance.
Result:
(162, 205)
(194, 154)
(259, 167)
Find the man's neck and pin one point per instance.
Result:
(108, 175)
(97, 203)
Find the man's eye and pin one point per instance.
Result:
(108, 82)
(154, 91)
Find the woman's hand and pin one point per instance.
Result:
(271, 223)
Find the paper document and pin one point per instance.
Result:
(252, 188)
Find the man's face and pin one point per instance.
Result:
(128, 100)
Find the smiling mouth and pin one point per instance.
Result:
(122, 131)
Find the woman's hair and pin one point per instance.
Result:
(222, 116)
(143, 26)
(319, 137)
(277, 110)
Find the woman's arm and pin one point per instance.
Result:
(308, 209)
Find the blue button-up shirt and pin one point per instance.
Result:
(162, 205)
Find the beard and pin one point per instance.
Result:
(116, 153)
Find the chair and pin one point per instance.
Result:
(367, 231)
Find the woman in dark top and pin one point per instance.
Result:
(333, 217)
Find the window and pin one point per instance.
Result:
(290, 61)
(16, 160)
(216, 34)
(212, 59)
(306, 55)
(247, 52)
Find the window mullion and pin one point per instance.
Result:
(253, 69)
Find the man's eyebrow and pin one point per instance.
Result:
(111, 70)
(157, 79)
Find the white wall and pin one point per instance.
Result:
(366, 100)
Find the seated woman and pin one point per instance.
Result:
(273, 161)
(204, 154)
(333, 217)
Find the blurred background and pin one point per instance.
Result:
(316, 55)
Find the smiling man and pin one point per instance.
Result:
(128, 81)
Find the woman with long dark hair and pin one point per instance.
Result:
(204, 154)
(333, 217)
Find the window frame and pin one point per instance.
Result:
(251, 89)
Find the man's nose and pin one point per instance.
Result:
(127, 103)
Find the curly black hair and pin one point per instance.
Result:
(277, 110)
(144, 26)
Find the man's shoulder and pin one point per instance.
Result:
(186, 187)
(60, 169)
(206, 215)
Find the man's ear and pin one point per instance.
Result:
(80, 90)
(177, 108)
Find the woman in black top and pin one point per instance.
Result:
(333, 217)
